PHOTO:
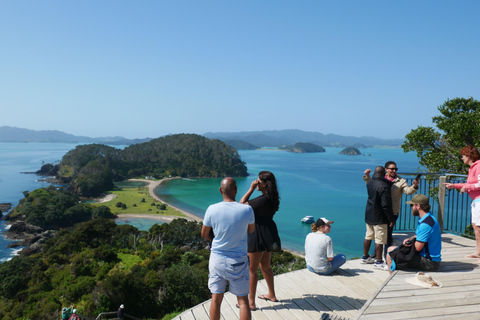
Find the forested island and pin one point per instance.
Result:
(91, 169)
(303, 147)
(352, 151)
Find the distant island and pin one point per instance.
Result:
(303, 147)
(247, 140)
(352, 151)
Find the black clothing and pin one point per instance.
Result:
(120, 313)
(402, 255)
(408, 258)
(265, 237)
(379, 203)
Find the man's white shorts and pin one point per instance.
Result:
(476, 213)
(377, 232)
(223, 269)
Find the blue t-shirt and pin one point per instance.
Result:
(428, 232)
(229, 221)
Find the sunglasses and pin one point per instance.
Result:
(394, 169)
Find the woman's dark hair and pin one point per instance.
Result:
(271, 188)
(471, 152)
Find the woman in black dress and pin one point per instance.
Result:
(265, 238)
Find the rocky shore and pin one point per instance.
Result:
(28, 235)
(5, 207)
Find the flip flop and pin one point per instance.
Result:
(473, 255)
(267, 299)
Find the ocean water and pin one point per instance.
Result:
(16, 158)
(318, 184)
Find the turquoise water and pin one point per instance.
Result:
(139, 223)
(319, 184)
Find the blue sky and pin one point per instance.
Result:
(149, 68)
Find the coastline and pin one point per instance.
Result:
(152, 185)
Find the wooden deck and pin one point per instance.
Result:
(458, 298)
(305, 295)
(358, 291)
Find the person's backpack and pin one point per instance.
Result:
(74, 317)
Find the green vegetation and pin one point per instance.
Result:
(98, 265)
(92, 169)
(132, 199)
(303, 147)
(351, 151)
(457, 126)
(54, 208)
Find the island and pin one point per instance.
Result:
(303, 147)
(352, 151)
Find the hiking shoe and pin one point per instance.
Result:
(380, 265)
(367, 260)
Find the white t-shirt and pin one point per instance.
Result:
(318, 248)
(229, 221)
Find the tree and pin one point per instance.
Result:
(457, 126)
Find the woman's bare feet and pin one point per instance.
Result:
(264, 297)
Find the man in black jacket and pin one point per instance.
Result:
(378, 216)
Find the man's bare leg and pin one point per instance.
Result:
(217, 299)
(245, 313)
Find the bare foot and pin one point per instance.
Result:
(264, 297)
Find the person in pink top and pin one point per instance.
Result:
(471, 156)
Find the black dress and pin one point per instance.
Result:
(265, 237)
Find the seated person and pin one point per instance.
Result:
(319, 249)
(422, 251)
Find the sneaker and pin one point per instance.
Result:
(368, 260)
(380, 265)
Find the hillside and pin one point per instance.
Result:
(91, 169)
(278, 138)
(13, 134)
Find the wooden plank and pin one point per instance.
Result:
(199, 313)
(187, 315)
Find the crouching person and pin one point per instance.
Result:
(422, 251)
(319, 249)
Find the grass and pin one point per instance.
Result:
(129, 260)
(132, 198)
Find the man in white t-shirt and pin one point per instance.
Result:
(230, 221)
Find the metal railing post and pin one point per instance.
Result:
(441, 201)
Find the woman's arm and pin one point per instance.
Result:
(247, 195)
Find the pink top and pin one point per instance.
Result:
(473, 181)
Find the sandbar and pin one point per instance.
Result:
(152, 185)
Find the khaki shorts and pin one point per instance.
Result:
(377, 232)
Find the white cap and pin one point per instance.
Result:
(122, 306)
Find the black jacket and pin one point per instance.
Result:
(379, 204)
